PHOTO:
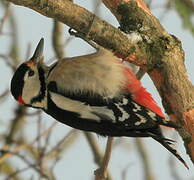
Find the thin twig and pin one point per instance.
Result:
(101, 173)
(97, 153)
(24, 146)
(124, 172)
(146, 164)
(172, 164)
(4, 95)
(14, 51)
(40, 149)
(8, 62)
(5, 17)
(13, 175)
(57, 148)
(28, 51)
(37, 169)
(97, 5)
(16, 123)
(57, 39)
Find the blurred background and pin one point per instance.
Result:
(34, 146)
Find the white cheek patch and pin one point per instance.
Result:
(85, 111)
(31, 88)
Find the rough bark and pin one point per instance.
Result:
(87, 23)
(166, 66)
(158, 52)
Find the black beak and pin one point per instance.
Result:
(39, 50)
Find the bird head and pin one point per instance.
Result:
(26, 83)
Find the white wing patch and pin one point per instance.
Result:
(85, 111)
(125, 101)
(125, 115)
(138, 108)
(142, 120)
(152, 115)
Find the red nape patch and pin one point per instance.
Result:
(140, 94)
(20, 100)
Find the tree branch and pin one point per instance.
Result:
(167, 69)
(98, 156)
(88, 24)
(145, 159)
(101, 173)
(57, 39)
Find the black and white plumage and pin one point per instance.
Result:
(95, 92)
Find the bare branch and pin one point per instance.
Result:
(5, 17)
(87, 23)
(146, 164)
(57, 38)
(24, 146)
(170, 77)
(101, 173)
(97, 153)
(14, 174)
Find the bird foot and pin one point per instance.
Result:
(100, 174)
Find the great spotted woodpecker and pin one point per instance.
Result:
(94, 92)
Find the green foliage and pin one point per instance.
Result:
(186, 12)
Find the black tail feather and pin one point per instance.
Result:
(166, 143)
(168, 123)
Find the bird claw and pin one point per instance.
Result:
(83, 36)
(100, 175)
(75, 33)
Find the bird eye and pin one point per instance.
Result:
(30, 73)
